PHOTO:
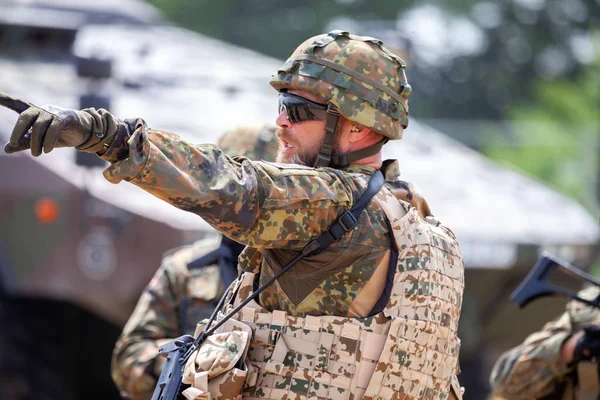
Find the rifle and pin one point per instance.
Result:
(537, 284)
(169, 385)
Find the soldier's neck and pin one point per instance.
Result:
(374, 161)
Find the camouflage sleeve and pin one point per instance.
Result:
(534, 368)
(154, 322)
(239, 197)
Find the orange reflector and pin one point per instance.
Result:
(46, 210)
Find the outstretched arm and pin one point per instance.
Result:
(255, 203)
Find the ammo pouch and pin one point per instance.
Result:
(217, 369)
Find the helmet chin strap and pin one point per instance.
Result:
(345, 159)
(326, 158)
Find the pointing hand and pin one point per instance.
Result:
(49, 127)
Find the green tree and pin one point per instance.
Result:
(556, 136)
(273, 27)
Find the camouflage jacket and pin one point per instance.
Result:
(274, 207)
(176, 299)
(534, 369)
(278, 209)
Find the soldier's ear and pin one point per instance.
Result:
(357, 132)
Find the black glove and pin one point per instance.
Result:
(51, 127)
(588, 346)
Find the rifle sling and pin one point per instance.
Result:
(345, 223)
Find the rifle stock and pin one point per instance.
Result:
(536, 283)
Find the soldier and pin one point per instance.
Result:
(375, 314)
(186, 287)
(558, 362)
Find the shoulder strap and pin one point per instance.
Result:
(345, 223)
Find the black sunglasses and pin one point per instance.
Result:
(299, 109)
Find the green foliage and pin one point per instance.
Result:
(556, 136)
(273, 27)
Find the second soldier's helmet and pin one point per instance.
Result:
(257, 142)
(363, 80)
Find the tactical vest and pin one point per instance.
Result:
(331, 357)
(326, 357)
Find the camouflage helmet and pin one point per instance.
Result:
(361, 78)
(254, 142)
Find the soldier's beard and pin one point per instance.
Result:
(306, 155)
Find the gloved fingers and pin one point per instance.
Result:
(21, 137)
(37, 135)
(52, 131)
(53, 109)
(13, 103)
(9, 148)
(40, 132)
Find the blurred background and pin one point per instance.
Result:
(503, 142)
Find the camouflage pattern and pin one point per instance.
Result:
(217, 370)
(277, 209)
(254, 142)
(178, 297)
(115, 147)
(172, 304)
(535, 369)
(426, 299)
(364, 80)
(325, 357)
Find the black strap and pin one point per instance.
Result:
(324, 156)
(345, 159)
(389, 280)
(348, 220)
(345, 223)
(209, 258)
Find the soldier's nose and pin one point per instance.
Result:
(282, 120)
